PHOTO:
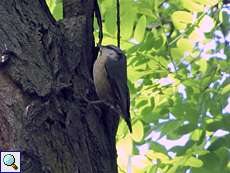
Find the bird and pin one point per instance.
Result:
(110, 80)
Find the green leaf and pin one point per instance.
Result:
(226, 89)
(211, 164)
(203, 65)
(208, 3)
(170, 126)
(196, 134)
(181, 19)
(140, 29)
(56, 8)
(133, 74)
(58, 11)
(185, 45)
(128, 17)
(200, 152)
(192, 6)
(186, 129)
(158, 40)
(147, 114)
(181, 150)
(223, 154)
(152, 169)
(177, 54)
(220, 142)
(110, 21)
(141, 102)
(223, 123)
(122, 130)
(144, 8)
(194, 162)
(51, 4)
(213, 126)
(157, 147)
(138, 131)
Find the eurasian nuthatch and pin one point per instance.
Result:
(110, 79)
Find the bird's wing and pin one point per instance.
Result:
(117, 76)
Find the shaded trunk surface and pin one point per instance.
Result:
(44, 88)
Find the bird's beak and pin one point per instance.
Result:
(99, 45)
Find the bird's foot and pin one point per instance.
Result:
(99, 103)
(93, 103)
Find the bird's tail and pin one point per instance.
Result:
(128, 122)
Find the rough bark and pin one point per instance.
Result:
(43, 110)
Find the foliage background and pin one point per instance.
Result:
(179, 78)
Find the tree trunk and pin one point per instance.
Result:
(44, 88)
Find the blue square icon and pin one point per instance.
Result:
(10, 162)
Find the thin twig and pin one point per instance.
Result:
(118, 24)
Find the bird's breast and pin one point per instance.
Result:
(101, 82)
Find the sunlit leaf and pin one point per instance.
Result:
(138, 131)
(110, 21)
(56, 8)
(181, 19)
(128, 17)
(140, 29)
(196, 134)
(226, 89)
(203, 65)
(184, 45)
(157, 155)
(192, 6)
(50, 3)
(58, 11)
(193, 162)
(176, 54)
(122, 130)
(208, 3)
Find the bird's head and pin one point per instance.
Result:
(111, 51)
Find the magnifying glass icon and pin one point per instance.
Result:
(9, 160)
